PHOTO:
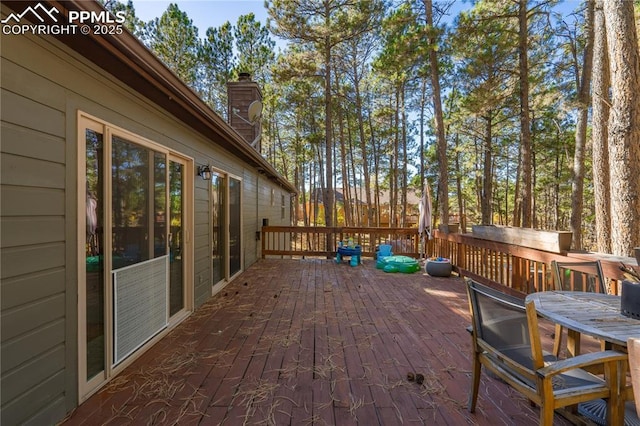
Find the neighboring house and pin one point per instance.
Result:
(126, 204)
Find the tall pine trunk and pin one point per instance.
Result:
(599, 132)
(461, 212)
(346, 181)
(624, 126)
(328, 195)
(405, 171)
(525, 130)
(584, 86)
(487, 180)
(363, 149)
(443, 165)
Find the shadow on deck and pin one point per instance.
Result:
(312, 342)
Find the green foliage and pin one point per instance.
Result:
(323, 23)
(132, 23)
(174, 39)
(404, 45)
(217, 62)
(485, 61)
(255, 47)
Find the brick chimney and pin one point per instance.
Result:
(241, 95)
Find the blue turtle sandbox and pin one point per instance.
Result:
(404, 264)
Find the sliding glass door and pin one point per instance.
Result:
(226, 228)
(235, 226)
(177, 220)
(94, 297)
(219, 227)
(133, 259)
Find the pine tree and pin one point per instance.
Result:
(624, 126)
(174, 39)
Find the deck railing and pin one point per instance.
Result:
(520, 269)
(305, 241)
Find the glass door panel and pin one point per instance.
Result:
(94, 256)
(130, 202)
(139, 237)
(139, 202)
(176, 237)
(235, 224)
(218, 234)
(159, 205)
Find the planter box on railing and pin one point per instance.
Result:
(449, 228)
(552, 241)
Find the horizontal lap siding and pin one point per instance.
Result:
(32, 223)
(202, 242)
(250, 215)
(258, 207)
(273, 210)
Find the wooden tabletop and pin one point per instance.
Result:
(593, 314)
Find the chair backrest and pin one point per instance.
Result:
(384, 249)
(501, 327)
(579, 276)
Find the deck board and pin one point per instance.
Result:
(313, 342)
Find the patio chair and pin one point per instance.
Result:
(384, 250)
(506, 341)
(576, 276)
(579, 276)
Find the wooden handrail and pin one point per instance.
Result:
(521, 269)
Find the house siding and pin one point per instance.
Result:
(32, 224)
(44, 85)
(250, 224)
(260, 188)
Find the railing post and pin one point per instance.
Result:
(333, 241)
(461, 256)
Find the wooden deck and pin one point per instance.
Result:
(311, 342)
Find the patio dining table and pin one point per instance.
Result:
(593, 314)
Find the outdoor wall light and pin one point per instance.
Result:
(204, 172)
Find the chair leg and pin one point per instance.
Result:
(615, 373)
(475, 383)
(616, 418)
(546, 415)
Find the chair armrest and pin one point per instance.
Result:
(581, 361)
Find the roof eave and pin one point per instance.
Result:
(126, 58)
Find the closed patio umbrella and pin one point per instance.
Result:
(424, 223)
